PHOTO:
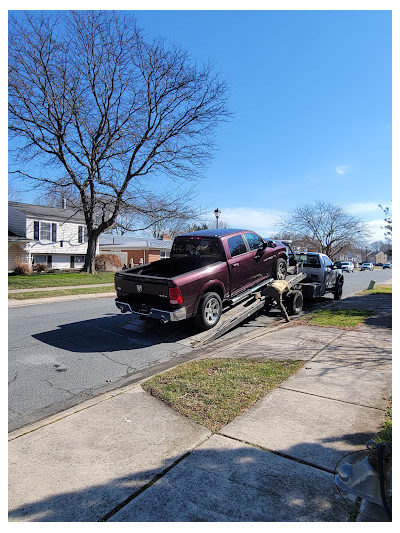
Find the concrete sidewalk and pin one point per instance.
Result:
(127, 457)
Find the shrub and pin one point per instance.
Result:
(107, 263)
(23, 269)
(40, 267)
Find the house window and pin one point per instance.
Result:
(164, 254)
(82, 234)
(45, 231)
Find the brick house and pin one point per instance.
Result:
(134, 250)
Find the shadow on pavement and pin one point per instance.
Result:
(114, 333)
(223, 480)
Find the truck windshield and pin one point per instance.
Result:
(309, 260)
(197, 247)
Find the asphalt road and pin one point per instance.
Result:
(63, 353)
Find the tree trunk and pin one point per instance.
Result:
(91, 253)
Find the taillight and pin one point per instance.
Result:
(175, 295)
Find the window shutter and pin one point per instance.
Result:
(80, 234)
(54, 232)
(36, 230)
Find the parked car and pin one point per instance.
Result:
(378, 264)
(206, 270)
(346, 266)
(387, 265)
(367, 266)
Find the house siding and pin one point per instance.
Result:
(16, 252)
(49, 251)
(67, 232)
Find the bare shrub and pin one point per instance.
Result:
(40, 267)
(21, 268)
(108, 263)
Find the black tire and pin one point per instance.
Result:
(280, 269)
(337, 293)
(209, 310)
(294, 302)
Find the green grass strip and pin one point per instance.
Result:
(339, 318)
(61, 292)
(378, 289)
(213, 392)
(37, 281)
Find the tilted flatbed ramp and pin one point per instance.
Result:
(240, 312)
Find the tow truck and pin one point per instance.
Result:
(312, 275)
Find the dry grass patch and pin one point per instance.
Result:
(213, 392)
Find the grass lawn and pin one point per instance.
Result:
(338, 318)
(213, 392)
(378, 289)
(385, 432)
(61, 292)
(58, 280)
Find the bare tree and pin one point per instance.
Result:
(96, 106)
(325, 227)
(388, 223)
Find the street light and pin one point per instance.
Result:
(217, 212)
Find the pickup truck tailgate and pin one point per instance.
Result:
(149, 290)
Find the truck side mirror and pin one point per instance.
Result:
(271, 244)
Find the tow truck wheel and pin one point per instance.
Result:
(337, 293)
(280, 269)
(209, 310)
(294, 302)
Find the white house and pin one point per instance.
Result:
(56, 237)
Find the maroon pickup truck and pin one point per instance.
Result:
(207, 270)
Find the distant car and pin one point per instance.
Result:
(378, 264)
(367, 266)
(346, 266)
(387, 265)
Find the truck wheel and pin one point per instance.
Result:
(209, 310)
(294, 302)
(280, 269)
(337, 293)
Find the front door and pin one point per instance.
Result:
(263, 257)
(330, 274)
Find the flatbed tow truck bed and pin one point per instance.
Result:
(234, 316)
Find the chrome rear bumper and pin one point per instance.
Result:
(157, 314)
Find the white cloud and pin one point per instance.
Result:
(376, 229)
(363, 207)
(262, 221)
(343, 169)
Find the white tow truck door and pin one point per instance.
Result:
(330, 274)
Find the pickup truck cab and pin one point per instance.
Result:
(206, 270)
(322, 275)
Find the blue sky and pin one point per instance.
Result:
(311, 97)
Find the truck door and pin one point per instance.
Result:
(263, 257)
(330, 274)
(240, 263)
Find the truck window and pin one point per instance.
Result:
(196, 247)
(253, 240)
(327, 261)
(236, 245)
(309, 260)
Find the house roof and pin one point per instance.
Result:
(129, 242)
(49, 213)
(13, 237)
